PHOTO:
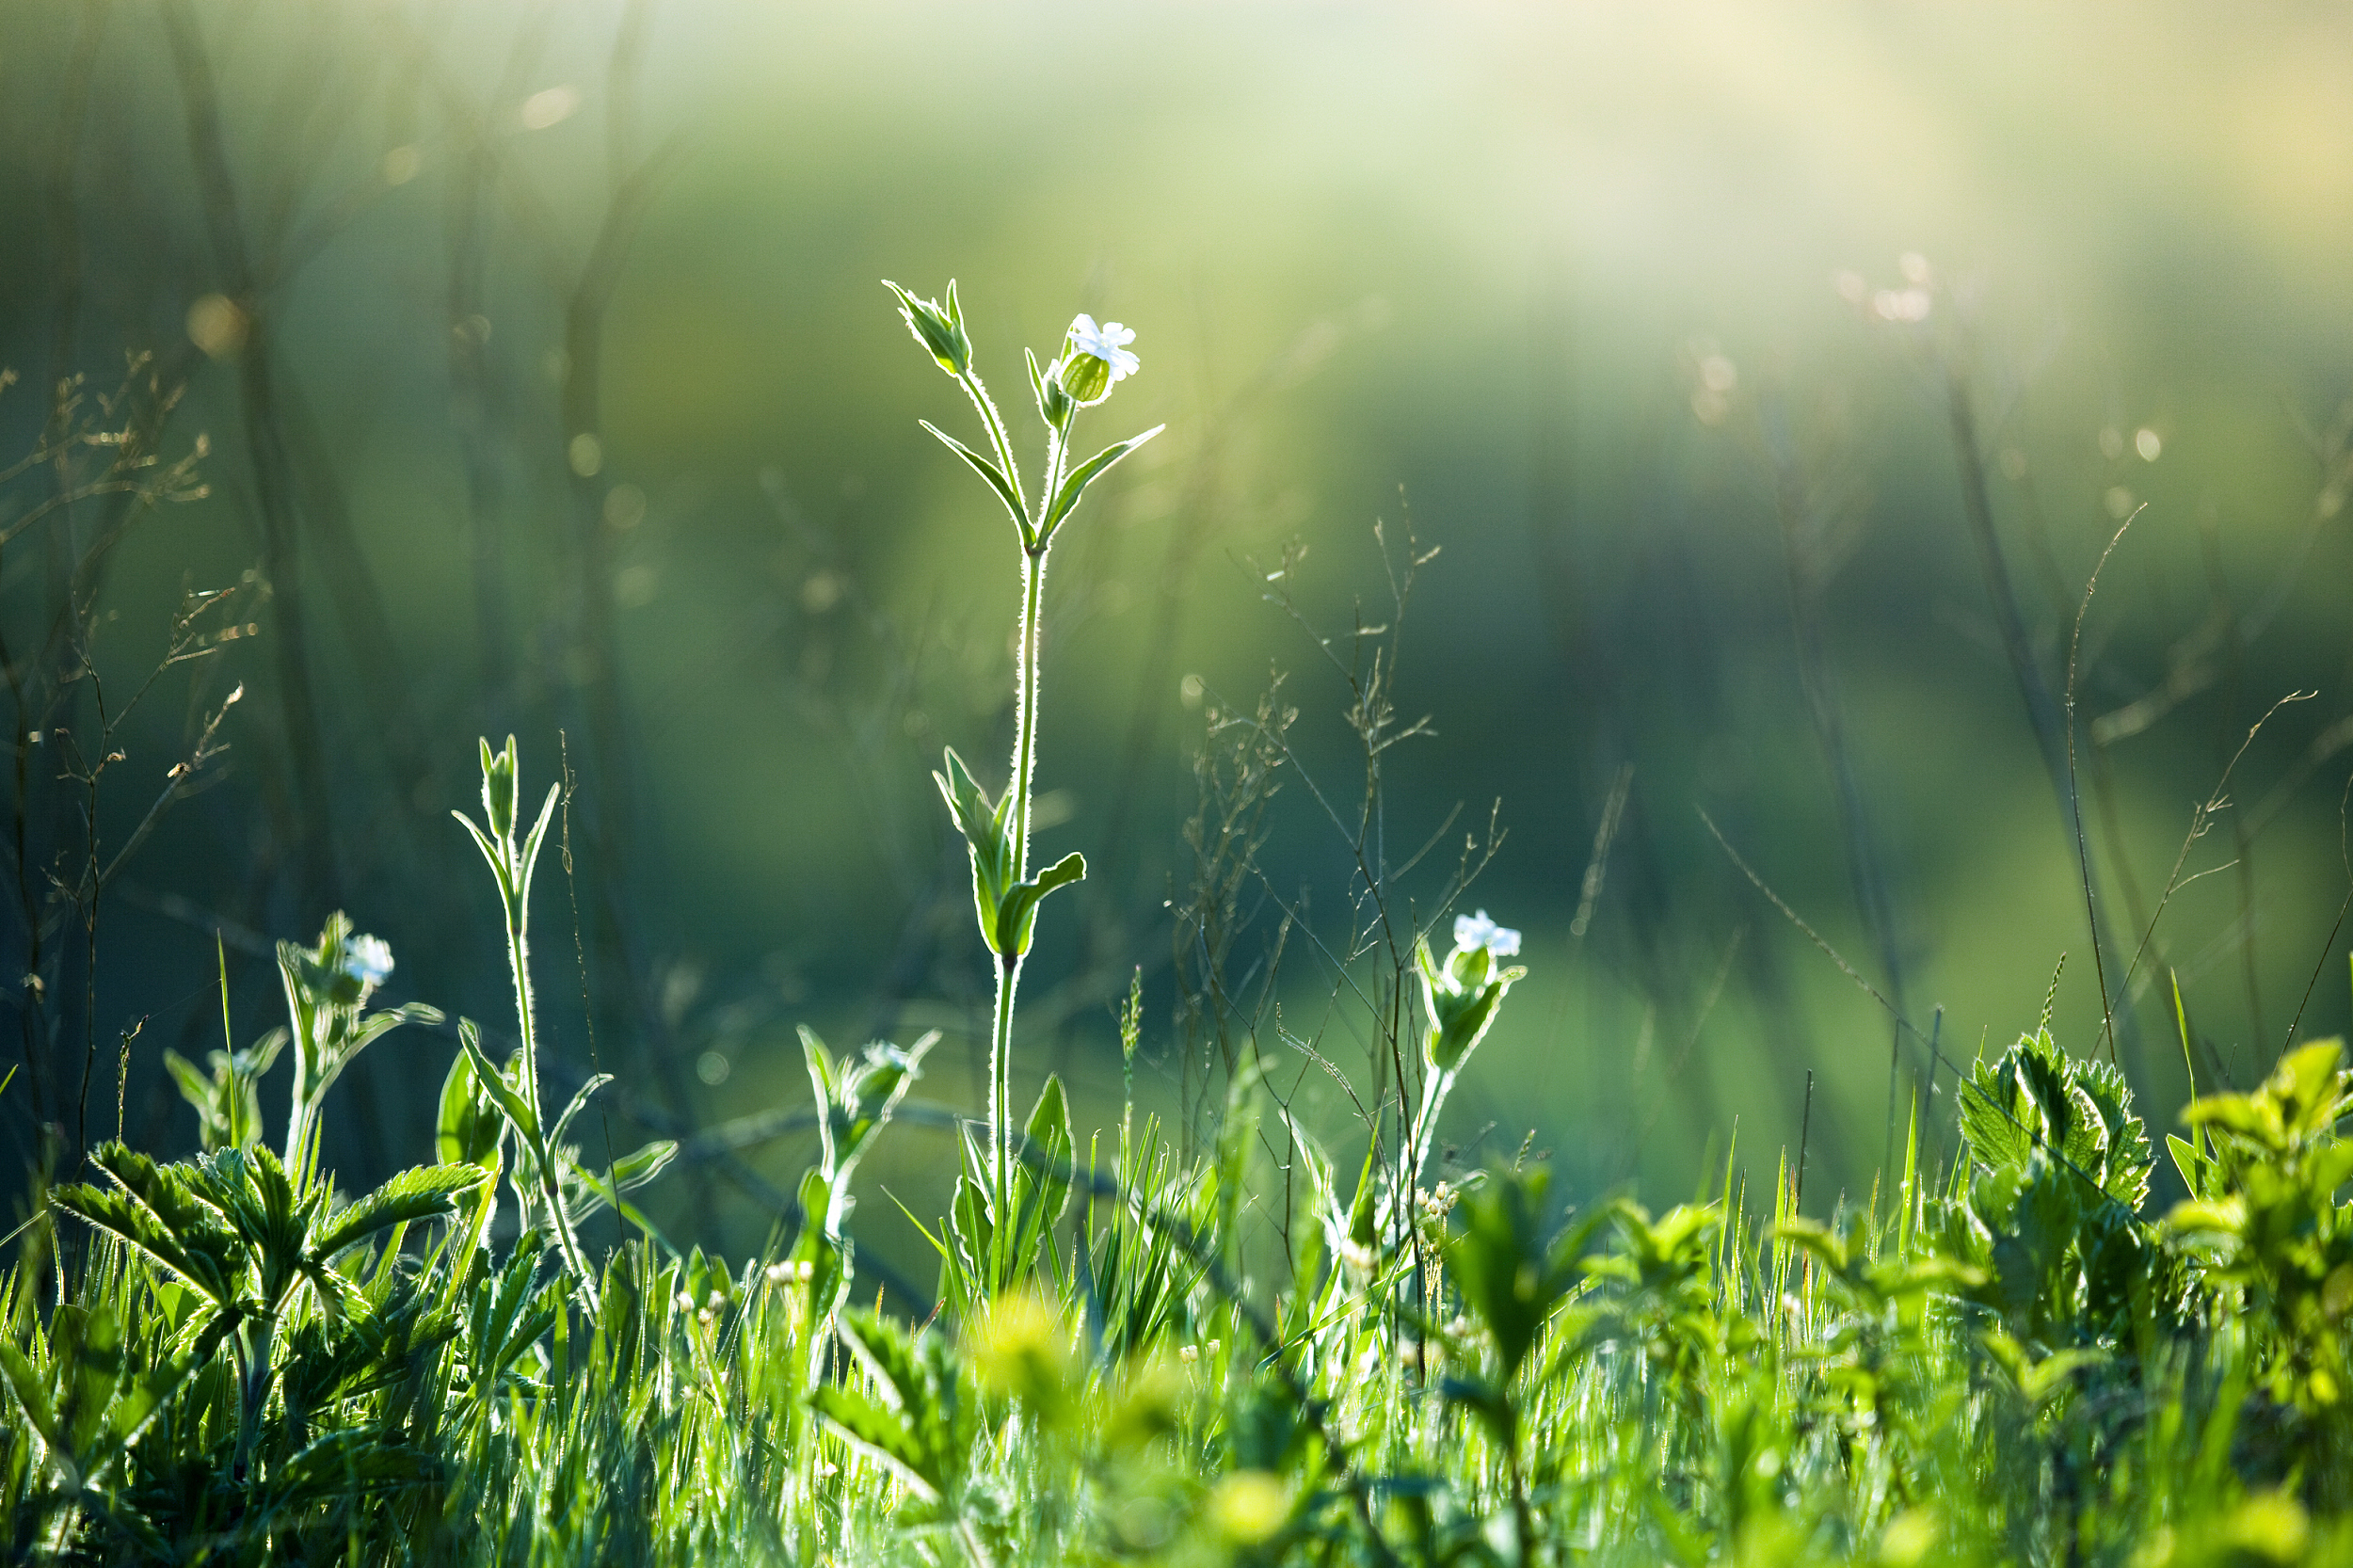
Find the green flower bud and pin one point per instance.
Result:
(1082, 378)
(1460, 997)
(939, 328)
(498, 789)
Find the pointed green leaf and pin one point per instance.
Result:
(579, 1102)
(987, 470)
(512, 1105)
(1067, 500)
(1018, 911)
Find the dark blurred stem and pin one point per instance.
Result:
(2242, 835)
(469, 391)
(2043, 714)
(64, 211)
(32, 1005)
(1864, 866)
(1805, 1136)
(2102, 769)
(266, 449)
(593, 649)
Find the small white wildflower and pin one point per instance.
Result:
(776, 1273)
(1478, 931)
(703, 1317)
(367, 960)
(1188, 1353)
(1106, 342)
(1213, 1346)
(685, 1301)
(1357, 1256)
(718, 1299)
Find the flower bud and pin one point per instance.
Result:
(939, 328)
(498, 789)
(1083, 378)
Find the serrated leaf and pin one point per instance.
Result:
(884, 1435)
(31, 1395)
(425, 1193)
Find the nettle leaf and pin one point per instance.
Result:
(157, 1212)
(886, 1352)
(1989, 1119)
(2129, 1156)
(31, 1394)
(2086, 1145)
(879, 1434)
(425, 1193)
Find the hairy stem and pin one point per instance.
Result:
(550, 1180)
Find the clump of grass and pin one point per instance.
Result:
(2011, 1360)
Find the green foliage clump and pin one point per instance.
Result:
(229, 1361)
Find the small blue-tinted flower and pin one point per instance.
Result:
(1106, 342)
(1478, 931)
(367, 960)
(1095, 363)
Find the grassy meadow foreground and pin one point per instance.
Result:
(1274, 1347)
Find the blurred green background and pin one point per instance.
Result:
(1651, 319)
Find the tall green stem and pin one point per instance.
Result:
(519, 963)
(1000, 1083)
(1009, 964)
(550, 1182)
(1027, 672)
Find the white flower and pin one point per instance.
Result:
(1106, 342)
(1478, 931)
(367, 959)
